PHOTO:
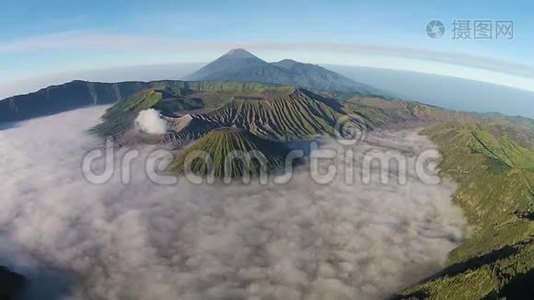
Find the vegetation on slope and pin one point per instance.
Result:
(295, 115)
(392, 111)
(121, 116)
(172, 97)
(220, 146)
(275, 112)
(495, 175)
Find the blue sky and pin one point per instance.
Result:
(41, 38)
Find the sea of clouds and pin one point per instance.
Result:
(76, 240)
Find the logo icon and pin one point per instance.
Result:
(435, 29)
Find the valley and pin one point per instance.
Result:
(240, 103)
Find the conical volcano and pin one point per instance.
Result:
(232, 61)
(231, 152)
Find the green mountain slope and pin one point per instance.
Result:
(399, 111)
(495, 176)
(275, 112)
(297, 114)
(220, 146)
(120, 117)
(175, 97)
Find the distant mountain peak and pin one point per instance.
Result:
(241, 65)
(232, 61)
(239, 53)
(288, 63)
(287, 60)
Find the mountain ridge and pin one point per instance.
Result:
(78, 93)
(495, 177)
(282, 113)
(295, 115)
(237, 65)
(240, 65)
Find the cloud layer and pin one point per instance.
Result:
(142, 241)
